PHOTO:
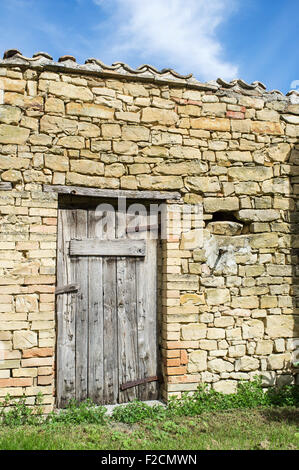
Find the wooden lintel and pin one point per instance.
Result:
(5, 186)
(110, 193)
(117, 247)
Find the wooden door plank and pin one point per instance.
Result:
(81, 274)
(150, 355)
(127, 319)
(96, 247)
(110, 326)
(110, 348)
(146, 292)
(127, 326)
(95, 320)
(65, 308)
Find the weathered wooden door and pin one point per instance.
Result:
(106, 308)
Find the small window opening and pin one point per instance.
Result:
(228, 216)
(225, 217)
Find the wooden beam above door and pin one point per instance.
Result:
(117, 247)
(110, 193)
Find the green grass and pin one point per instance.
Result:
(251, 418)
(266, 428)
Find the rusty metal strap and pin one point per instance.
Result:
(66, 289)
(134, 383)
(143, 228)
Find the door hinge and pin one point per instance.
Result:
(134, 383)
(66, 289)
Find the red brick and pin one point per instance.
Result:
(6, 354)
(173, 238)
(235, 115)
(184, 357)
(172, 353)
(37, 361)
(45, 380)
(16, 382)
(182, 344)
(176, 370)
(45, 370)
(38, 352)
(173, 362)
(49, 221)
(184, 379)
(178, 100)
(194, 102)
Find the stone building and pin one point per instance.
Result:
(224, 285)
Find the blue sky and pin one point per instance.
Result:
(249, 39)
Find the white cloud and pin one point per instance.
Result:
(177, 33)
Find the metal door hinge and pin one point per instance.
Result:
(66, 289)
(134, 383)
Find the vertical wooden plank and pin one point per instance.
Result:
(66, 311)
(146, 292)
(95, 318)
(81, 274)
(127, 326)
(110, 346)
(127, 318)
(160, 261)
(141, 310)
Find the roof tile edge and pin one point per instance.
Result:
(145, 72)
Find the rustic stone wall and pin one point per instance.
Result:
(229, 307)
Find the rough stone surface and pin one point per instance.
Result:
(197, 361)
(13, 135)
(228, 262)
(24, 339)
(226, 386)
(217, 296)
